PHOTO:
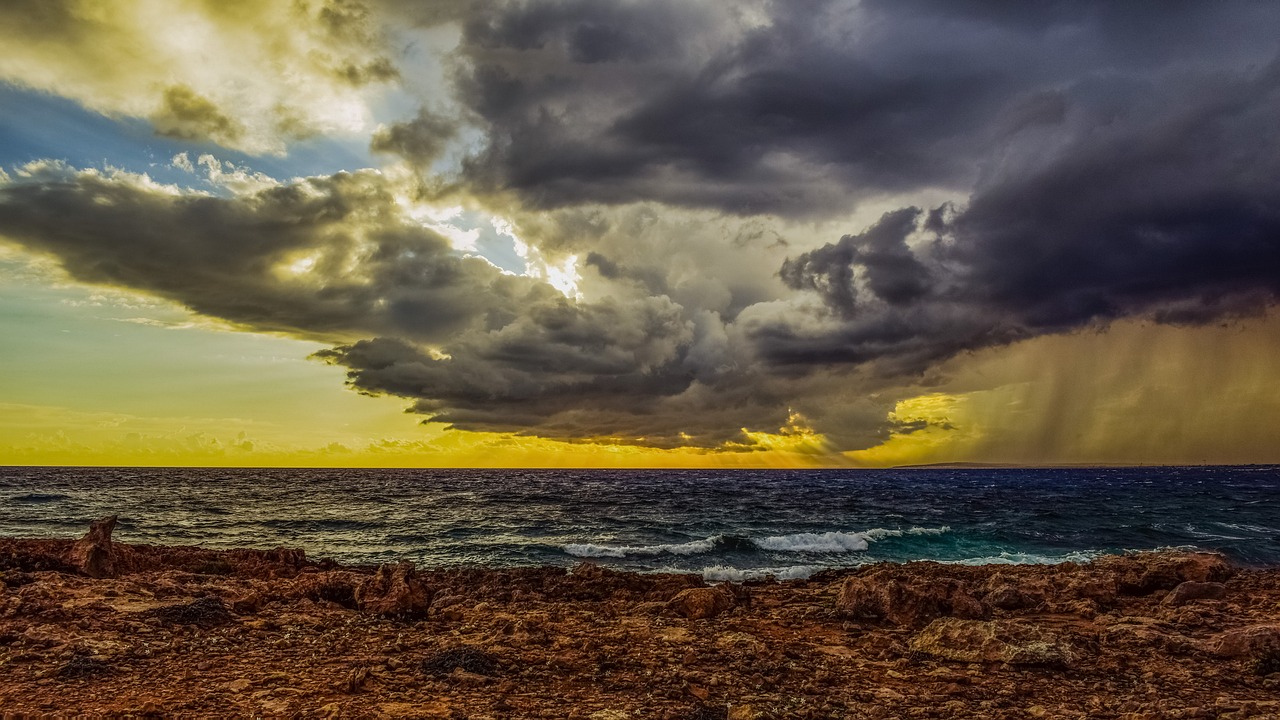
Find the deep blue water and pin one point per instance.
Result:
(724, 524)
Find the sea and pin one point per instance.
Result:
(725, 525)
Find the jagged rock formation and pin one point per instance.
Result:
(93, 554)
(272, 633)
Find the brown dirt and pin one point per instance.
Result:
(192, 632)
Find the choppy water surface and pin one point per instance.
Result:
(726, 525)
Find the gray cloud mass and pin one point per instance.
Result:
(1103, 161)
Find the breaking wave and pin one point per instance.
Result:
(590, 550)
(1019, 558)
(827, 542)
(725, 573)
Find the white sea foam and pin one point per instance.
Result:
(1245, 527)
(725, 573)
(827, 542)
(694, 547)
(881, 533)
(1008, 558)
(838, 542)
(1164, 548)
(816, 542)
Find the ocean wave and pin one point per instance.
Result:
(592, 550)
(725, 573)
(1245, 527)
(838, 542)
(38, 498)
(1018, 558)
(827, 542)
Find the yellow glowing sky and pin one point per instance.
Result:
(103, 376)
(169, 388)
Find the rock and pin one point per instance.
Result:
(248, 603)
(1144, 573)
(275, 707)
(202, 612)
(354, 681)
(1191, 590)
(1010, 594)
(1251, 641)
(48, 636)
(1099, 590)
(701, 603)
(992, 641)
(467, 658)
(465, 677)
(394, 590)
(83, 666)
(239, 686)
(1008, 597)
(334, 586)
(446, 601)
(1147, 635)
(418, 711)
(910, 602)
(93, 554)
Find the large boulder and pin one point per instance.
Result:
(1251, 641)
(701, 603)
(93, 554)
(992, 641)
(908, 601)
(1010, 594)
(395, 590)
(1191, 590)
(1145, 573)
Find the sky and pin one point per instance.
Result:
(623, 233)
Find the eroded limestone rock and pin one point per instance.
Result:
(394, 590)
(1004, 641)
(93, 554)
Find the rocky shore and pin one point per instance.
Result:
(96, 627)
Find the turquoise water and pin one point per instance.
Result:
(723, 524)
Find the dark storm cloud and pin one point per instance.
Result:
(1104, 161)
(892, 272)
(802, 107)
(560, 370)
(1164, 206)
(364, 269)
(420, 141)
(335, 259)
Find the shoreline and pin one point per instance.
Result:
(99, 627)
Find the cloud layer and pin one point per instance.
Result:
(1036, 169)
(247, 75)
(809, 107)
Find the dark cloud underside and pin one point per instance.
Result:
(1104, 161)
(810, 106)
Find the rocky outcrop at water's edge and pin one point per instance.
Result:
(98, 627)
